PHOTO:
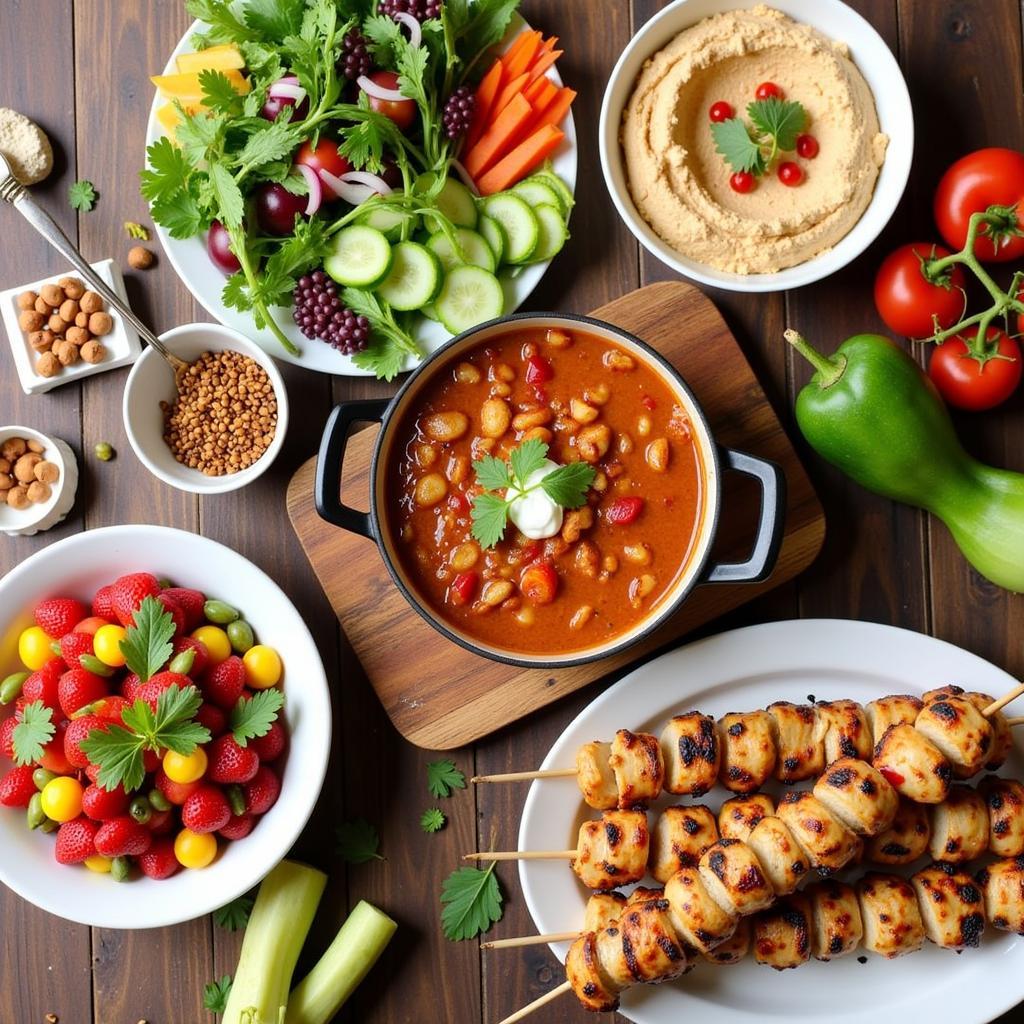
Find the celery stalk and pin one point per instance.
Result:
(353, 952)
(278, 925)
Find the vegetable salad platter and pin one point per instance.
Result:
(350, 189)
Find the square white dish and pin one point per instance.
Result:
(122, 343)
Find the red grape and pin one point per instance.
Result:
(218, 245)
(276, 208)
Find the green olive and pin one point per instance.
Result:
(241, 636)
(93, 664)
(49, 825)
(41, 777)
(141, 810)
(104, 451)
(120, 868)
(10, 688)
(220, 612)
(237, 799)
(35, 815)
(183, 661)
(158, 801)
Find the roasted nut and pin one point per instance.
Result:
(38, 492)
(5, 465)
(29, 320)
(47, 472)
(6, 481)
(82, 320)
(35, 446)
(41, 340)
(66, 352)
(93, 352)
(52, 294)
(47, 365)
(42, 306)
(140, 258)
(73, 288)
(77, 335)
(100, 323)
(17, 497)
(68, 311)
(24, 468)
(57, 324)
(27, 300)
(90, 302)
(13, 448)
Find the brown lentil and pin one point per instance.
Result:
(225, 415)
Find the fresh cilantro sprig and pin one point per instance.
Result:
(253, 716)
(775, 125)
(505, 482)
(118, 749)
(215, 995)
(234, 916)
(433, 820)
(357, 842)
(443, 777)
(32, 733)
(147, 643)
(82, 196)
(391, 343)
(471, 900)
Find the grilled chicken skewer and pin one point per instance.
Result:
(919, 744)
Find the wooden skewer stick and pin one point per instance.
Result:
(548, 997)
(1003, 701)
(524, 855)
(550, 773)
(1011, 722)
(531, 940)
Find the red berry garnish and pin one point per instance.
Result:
(807, 146)
(721, 111)
(742, 182)
(159, 860)
(769, 91)
(790, 174)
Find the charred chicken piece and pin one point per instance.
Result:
(891, 915)
(748, 750)
(959, 826)
(679, 838)
(612, 850)
(858, 795)
(739, 814)
(692, 754)
(914, 766)
(838, 928)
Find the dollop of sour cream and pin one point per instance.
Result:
(536, 516)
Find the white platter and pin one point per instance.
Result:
(739, 671)
(192, 264)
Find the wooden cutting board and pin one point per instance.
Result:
(441, 696)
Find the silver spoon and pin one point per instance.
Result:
(13, 192)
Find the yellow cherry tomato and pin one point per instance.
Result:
(185, 767)
(34, 648)
(62, 798)
(98, 863)
(194, 849)
(106, 644)
(216, 642)
(262, 667)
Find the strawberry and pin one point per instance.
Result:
(17, 787)
(54, 759)
(73, 645)
(150, 691)
(206, 810)
(92, 624)
(229, 762)
(239, 826)
(7, 727)
(213, 718)
(43, 684)
(150, 761)
(262, 791)
(111, 708)
(78, 729)
(123, 837)
(200, 656)
(103, 603)
(78, 687)
(104, 804)
(160, 822)
(128, 592)
(59, 615)
(176, 792)
(130, 687)
(92, 773)
(159, 860)
(270, 746)
(191, 603)
(76, 841)
(176, 613)
(224, 683)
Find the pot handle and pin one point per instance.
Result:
(327, 488)
(770, 526)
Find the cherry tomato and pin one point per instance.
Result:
(402, 112)
(769, 91)
(906, 299)
(463, 587)
(218, 245)
(893, 777)
(790, 174)
(538, 370)
(721, 111)
(742, 182)
(539, 583)
(807, 146)
(623, 511)
(276, 208)
(987, 177)
(325, 157)
(967, 384)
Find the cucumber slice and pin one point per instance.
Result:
(494, 235)
(469, 296)
(430, 313)
(538, 193)
(521, 227)
(555, 183)
(456, 202)
(361, 257)
(553, 233)
(478, 253)
(414, 279)
(389, 220)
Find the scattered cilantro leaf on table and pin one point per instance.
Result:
(215, 995)
(358, 841)
(252, 716)
(443, 777)
(471, 900)
(147, 643)
(433, 820)
(32, 733)
(234, 916)
(82, 196)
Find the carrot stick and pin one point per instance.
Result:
(517, 164)
(486, 93)
(543, 63)
(541, 95)
(540, 91)
(520, 57)
(489, 146)
(556, 110)
(513, 88)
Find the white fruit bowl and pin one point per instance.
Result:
(77, 567)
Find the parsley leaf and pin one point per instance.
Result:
(489, 513)
(180, 214)
(492, 473)
(275, 19)
(526, 459)
(252, 716)
(32, 733)
(215, 995)
(358, 842)
(471, 900)
(385, 36)
(218, 92)
(443, 777)
(568, 485)
(776, 126)
(265, 145)
(228, 196)
(82, 196)
(390, 343)
(225, 27)
(433, 820)
(234, 915)
(783, 120)
(740, 151)
(487, 24)
(167, 171)
(147, 643)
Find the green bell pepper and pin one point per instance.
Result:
(870, 410)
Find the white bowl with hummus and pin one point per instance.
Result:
(672, 187)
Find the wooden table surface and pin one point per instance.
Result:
(80, 68)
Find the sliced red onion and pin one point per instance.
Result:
(465, 177)
(286, 91)
(374, 181)
(378, 92)
(288, 80)
(350, 191)
(415, 32)
(316, 191)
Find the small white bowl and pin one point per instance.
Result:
(895, 116)
(151, 382)
(28, 521)
(76, 567)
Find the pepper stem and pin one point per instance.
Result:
(830, 369)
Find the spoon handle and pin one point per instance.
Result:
(50, 230)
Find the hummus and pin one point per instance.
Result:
(680, 183)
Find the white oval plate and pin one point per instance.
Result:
(192, 264)
(739, 671)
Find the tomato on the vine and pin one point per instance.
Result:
(325, 156)
(987, 177)
(402, 112)
(906, 300)
(966, 383)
